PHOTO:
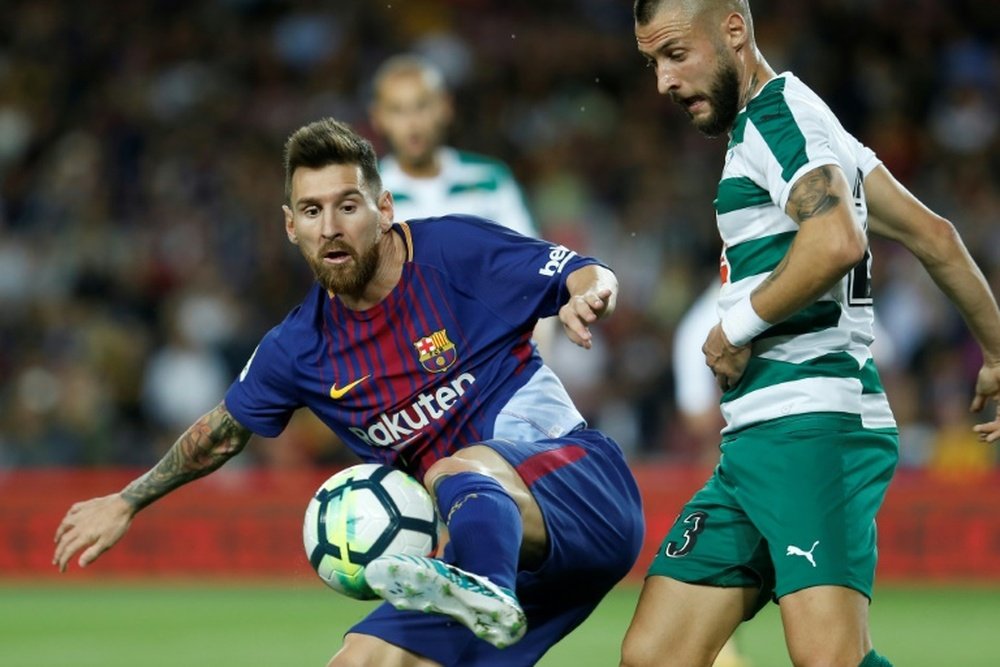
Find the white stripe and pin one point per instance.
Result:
(876, 412)
(804, 347)
(821, 394)
(746, 224)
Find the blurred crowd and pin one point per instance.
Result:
(142, 254)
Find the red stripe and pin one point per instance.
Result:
(534, 467)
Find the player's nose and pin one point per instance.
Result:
(666, 81)
(329, 227)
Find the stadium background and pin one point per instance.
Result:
(141, 254)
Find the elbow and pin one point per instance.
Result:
(847, 254)
(939, 243)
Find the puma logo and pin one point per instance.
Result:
(808, 555)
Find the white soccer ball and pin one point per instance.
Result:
(363, 512)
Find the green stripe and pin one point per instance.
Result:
(757, 256)
(773, 119)
(816, 317)
(489, 186)
(400, 196)
(739, 128)
(761, 373)
(465, 157)
(738, 193)
(871, 383)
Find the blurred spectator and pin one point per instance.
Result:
(140, 180)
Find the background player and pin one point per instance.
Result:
(810, 442)
(413, 346)
(412, 109)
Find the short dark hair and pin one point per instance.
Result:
(644, 10)
(328, 141)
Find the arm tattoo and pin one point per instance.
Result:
(813, 195)
(204, 447)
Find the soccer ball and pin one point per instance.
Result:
(363, 512)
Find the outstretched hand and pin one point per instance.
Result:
(725, 359)
(580, 312)
(987, 388)
(93, 525)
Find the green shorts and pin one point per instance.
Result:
(791, 505)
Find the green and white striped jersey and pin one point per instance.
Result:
(819, 359)
(468, 183)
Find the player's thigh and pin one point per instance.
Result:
(361, 650)
(826, 625)
(813, 485)
(678, 623)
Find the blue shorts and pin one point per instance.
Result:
(593, 515)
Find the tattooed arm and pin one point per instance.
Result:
(97, 524)
(829, 243)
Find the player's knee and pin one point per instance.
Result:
(357, 651)
(643, 650)
(635, 651)
(831, 655)
(453, 465)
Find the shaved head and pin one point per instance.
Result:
(645, 10)
(409, 65)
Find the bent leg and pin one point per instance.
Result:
(485, 461)
(826, 625)
(367, 651)
(686, 625)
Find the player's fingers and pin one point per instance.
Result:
(988, 432)
(64, 525)
(67, 548)
(978, 401)
(586, 309)
(92, 552)
(578, 332)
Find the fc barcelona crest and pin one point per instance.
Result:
(437, 353)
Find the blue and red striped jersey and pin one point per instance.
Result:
(444, 361)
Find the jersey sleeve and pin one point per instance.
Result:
(263, 397)
(517, 277)
(867, 159)
(798, 141)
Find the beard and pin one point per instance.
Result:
(350, 279)
(723, 98)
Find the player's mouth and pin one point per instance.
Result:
(336, 257)
(695, 105)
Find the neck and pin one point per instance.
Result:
(756, 73)
(429, 168)
(392, 256)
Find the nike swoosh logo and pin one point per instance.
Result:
(339, 393)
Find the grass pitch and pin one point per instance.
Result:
(53, 624)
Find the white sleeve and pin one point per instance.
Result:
(694, 384)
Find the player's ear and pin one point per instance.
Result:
(735, 31)
(447, 108)
(386, 208)
(290, 224)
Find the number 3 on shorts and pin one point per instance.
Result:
(696, 524)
